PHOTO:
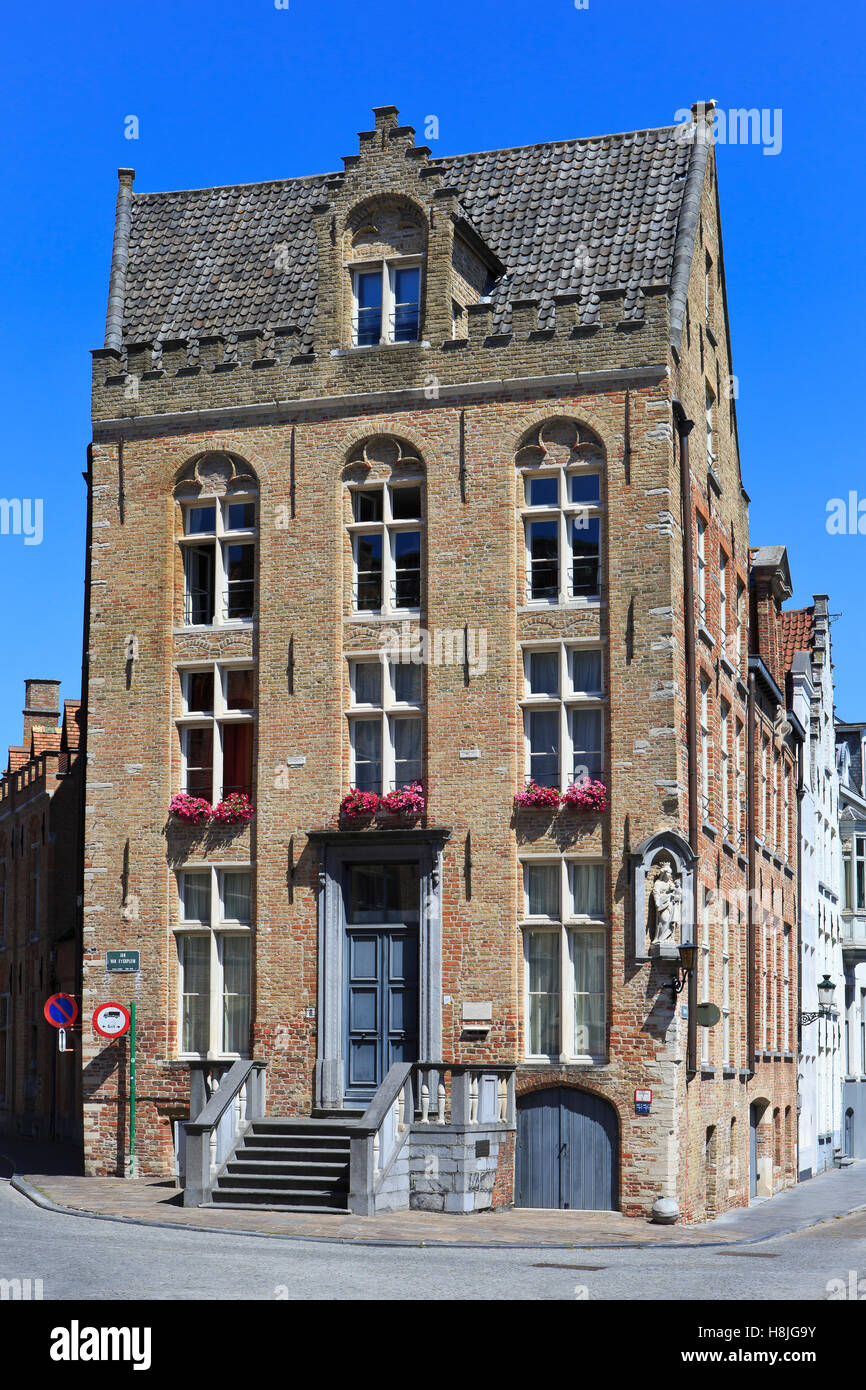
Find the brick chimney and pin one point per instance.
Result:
(41, 707)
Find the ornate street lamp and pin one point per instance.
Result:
(688, 951)
(825, 998)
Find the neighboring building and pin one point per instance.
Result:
(773, 873)
(851, 763)
(406, 489)
(40, 943)
(808, 659)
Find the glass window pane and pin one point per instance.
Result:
(543, 668)
(200, 521)
(199, 691)
(368, 293)
(543, 541)
(199, 579)
(367, 504)
(587, 887)
(367, 682)
(586, 672)
(195, 993)
(585, 547)
(407, 567)
(585, 488)
(543, 730)
(240, 516)
(240, 692)
(195, 897)
(237, 759)
(407, 682)
(368, 571)
(236, 884)
(240, 572)
(542, 492)
(406, 289)
(366, 894)
(406, 734)
(402, 893)
(236, 993)
(587, 957)
(541, 883)
(543, 963)
(367, 748)
(405, 503)
(198, 745)
(586, 737)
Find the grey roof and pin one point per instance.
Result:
(579, 216)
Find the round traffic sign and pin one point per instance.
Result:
(111, 1020)
(61, 1010)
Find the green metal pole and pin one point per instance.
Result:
(132, 1091)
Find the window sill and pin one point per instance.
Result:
(377, 347)
(554, 605)
(706, 636)
(729, 1073)
(377, 616)
(707, 1071)
(709, 829)
(560, 1063)
(239, 625)
(727, 667)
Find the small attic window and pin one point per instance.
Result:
(386, 303)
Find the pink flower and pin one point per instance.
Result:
(357, 804)
(407, 801)
(585, 796)
(236, 809)
(192, 810)
(534, 795)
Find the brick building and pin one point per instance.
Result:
(395, 480)
(40, 913)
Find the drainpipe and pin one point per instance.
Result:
(750, 901)
(684, 427)
(801, 792)
(82, 774)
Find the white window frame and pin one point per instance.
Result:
(724, 770)
(387, 268)
(568, 700)
(705, 744)
(566, 926)
(705, 973)
(723, 603)
(563, 514)
(726, 984)
(215, 931)
(217, 719)
(387, 528)
(711, 437)
(740, 775)
(701, 554)
(389, 712)
(740, 602)
(218, 540)
(858, 862)
(786, 989)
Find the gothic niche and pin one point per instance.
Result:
(560, 442)
(385, 229)
(212, 475)
(376, 455)
(662, 901)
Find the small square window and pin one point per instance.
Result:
(541, 882)
(198, 691)
(240, 693)
(240, 516)
(543, 673)
(195, 897)
(236, 896)
(368, 295)
(200, 521)
(366, 683)
(367, 504)
(542, 492)
(585, 488)
(586, 677)
(406, 503)
(407, 683)
(587, 890)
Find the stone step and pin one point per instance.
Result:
(285, 1182)
(316, 1199)
(242, 1164)
(274, 1153)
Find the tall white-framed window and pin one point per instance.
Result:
(786, 989)
(705, 745)
(765, 787)
(701, 552)
(706, 907)
(214, 948)
(386, 302)
(386, 530)
(741, 626)
(711, 441)
(859, 872)
(723, 603)
(774, 826)
(765, 979)
(775, 981)
(563, 707)
(727, 1060)
(563, 924)
(216, 727)
(5, 1050)
(562, 511)
(786, 811)
(386, 722)
(740, 782)
(724, 768)
(219, 561)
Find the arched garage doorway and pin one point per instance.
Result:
(567, 1151)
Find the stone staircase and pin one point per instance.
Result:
(293, 1164)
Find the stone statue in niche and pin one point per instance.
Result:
(665, 914)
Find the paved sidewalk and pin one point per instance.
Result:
(158, 1202)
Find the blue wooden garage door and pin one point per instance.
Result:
(567, 1151)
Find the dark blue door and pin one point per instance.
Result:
(567, 1151)
(382, 910)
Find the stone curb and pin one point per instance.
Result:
(39, 1199)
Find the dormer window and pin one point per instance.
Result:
(387, 303)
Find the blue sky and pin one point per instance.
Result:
(236, 92)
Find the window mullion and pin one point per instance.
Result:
(566, 1002)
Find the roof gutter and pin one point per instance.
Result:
(119, 260)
